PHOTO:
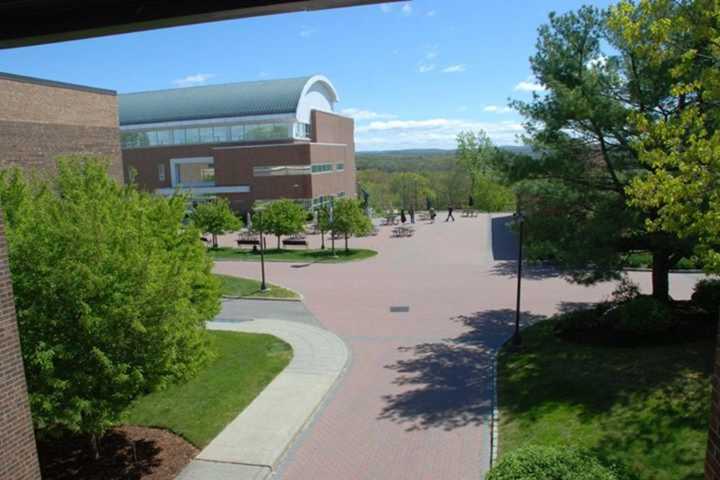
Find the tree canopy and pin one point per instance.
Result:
(679, 143)
(574, 190)
(348, 218)
(215, 218)
(112, 292)
(281, 217)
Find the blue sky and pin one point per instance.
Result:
(413, 74)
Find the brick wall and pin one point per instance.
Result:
(712, 457)
(40, 120)
(18, 457)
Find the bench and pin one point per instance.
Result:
(247, 241)
(295, 242)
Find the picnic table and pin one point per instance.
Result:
(403, 231)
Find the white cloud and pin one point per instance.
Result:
(496, 109)
(386, 7)
(359, 114)
(454, 69)
(599, 61)
(426, 67)
(431, 13)
(529, 86)
(406, 9)
(191, 80)
(306, 31)
(430, 133)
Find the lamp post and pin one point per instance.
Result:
(332, 226)
(263, 285)
(520, 221)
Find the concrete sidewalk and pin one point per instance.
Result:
(251, 446)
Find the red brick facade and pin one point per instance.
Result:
(712, 457)
(18, 457)
(332, 142)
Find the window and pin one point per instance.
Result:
(220, 134)
(194, 172)
(281, 170)
(339, 167)
(164, 137)
(237, 133)
(206, 134)
(179, 136)
(302, 130)
(161, 172)
(322, 168)
(192, 135)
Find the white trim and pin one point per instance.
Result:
(209, 122)
(281, 145)
(204, 190)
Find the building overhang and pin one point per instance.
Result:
(32, 22)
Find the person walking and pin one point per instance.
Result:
(403, 218)
(432, 215)
(412, 215)
(450, 214)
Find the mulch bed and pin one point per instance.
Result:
(127, 453)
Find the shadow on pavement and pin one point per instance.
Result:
(504, 250)
(450, 382)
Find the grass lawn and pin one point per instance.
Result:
(247, 287)
(287, 255)
(644, 260)
(644, 407)
(199, 409)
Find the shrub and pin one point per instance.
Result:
(112, 292)
(550, 463)
(641, 316)
(578, 321)
(707, 295)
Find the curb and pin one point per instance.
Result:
(253, 445)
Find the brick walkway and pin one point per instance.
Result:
(414, 403)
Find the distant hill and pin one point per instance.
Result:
(417, 160)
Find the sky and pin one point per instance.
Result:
(412, 74)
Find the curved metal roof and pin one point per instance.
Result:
(264, 97)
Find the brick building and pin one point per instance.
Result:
(248, 142)
(39, 120)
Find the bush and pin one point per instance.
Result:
(112, 293)
(550, 463)
(707, 295)
(641, 316)
(579, 321)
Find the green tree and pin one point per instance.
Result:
(112, 293)
(411, 189)
(215, 217)
(281, 217)
(680, 144)
(573, 190)
(350, 219)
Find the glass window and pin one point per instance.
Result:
(220, 134)
(281, 170)
(164, 137)
(161, 172)
(206, 134)
(237, 133)
(152, 137)
(179, 136)
(322, 167)
(192, 135)
(339, 167)
(195, 174)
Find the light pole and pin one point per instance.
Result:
(332, 226)
(520, 221)
(263, 285)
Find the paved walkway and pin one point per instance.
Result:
(415, 401)
(250, 447)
